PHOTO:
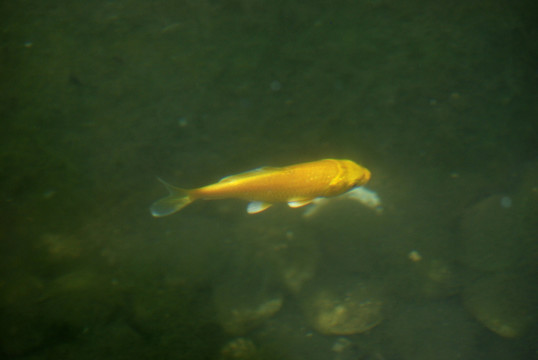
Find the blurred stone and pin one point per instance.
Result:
(21, 329)
(288, 250)
(296, 260)
(427, 279)
(79, 300)
(247, 317)
(343, 308)
(60, 247)
(245, 299)
(352, 236)
(192, 249)
(239, 349)
(289, 336)
(437, 330)
(20, 291)
(155, 310)
(497, 237)
(504, 303)
(296, 274)
(21, 333)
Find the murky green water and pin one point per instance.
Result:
(437, 100)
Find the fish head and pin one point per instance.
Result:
(354, 174)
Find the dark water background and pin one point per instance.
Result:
(438, 100)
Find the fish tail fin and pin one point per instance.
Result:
(175, 201)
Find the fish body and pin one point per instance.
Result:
(297, 185)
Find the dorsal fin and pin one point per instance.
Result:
(247, 174)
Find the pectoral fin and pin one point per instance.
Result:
(299, 203)
(255, 207)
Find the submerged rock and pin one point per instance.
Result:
(239, 349)
(497, 234)
(245, 317)
(296, 261)
(21, 330)
(79, 300)
(440, 330)
(58, 247)
(245, 300)
(503, 303)
(343, 309)
(428, 279)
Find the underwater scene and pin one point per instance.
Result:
(260, 180)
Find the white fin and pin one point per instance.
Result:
(314, 207)
(366, 197)
(255, 207)
(176, 200)
(360, 194)
(299, 203)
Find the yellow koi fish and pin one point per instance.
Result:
(297, 185)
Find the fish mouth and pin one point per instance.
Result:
(364, 178)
